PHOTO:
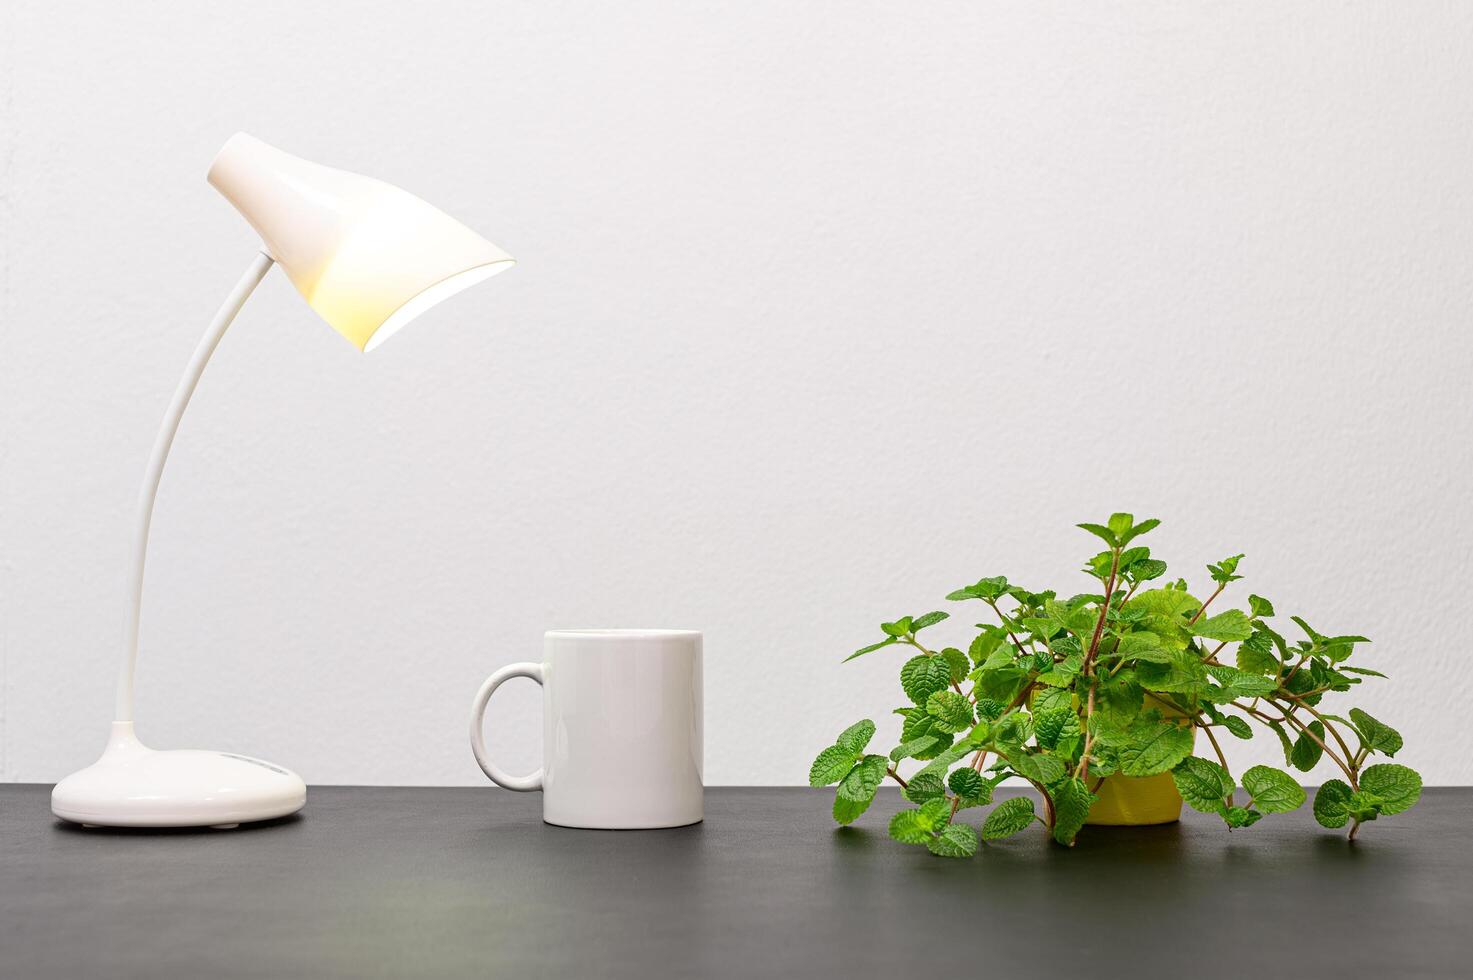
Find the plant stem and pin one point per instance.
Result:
(896, 776)
(1214, 595)
(1048, 804)
(1231, 797)
(1094, 643)
(1301, 727)
(1081, 771)
(1318, 717)
(1012, 636)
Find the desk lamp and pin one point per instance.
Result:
(368, 258)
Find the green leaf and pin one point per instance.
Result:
(871, 648)
(937, 811)
(965, 782)
(910, 827)
(1048, 699)
(957, 841)
(1309, 630)
(990, 709)
(919, 725)
(944, 761)
(1184, 675)
(857, 736)
(1144, 646)
(1203, 784)
(1301, 683)
(1260, 607)
(913, 748)
(986, 588)
(958, 662)
(1130, 556)
(929, 619)
(1003, 656)
(1306, 752)
(1226, 626)
(1339, 648)
(1072, 800)
(899, 628)
(1079, 620)
(1120, 699)
(1139, 529)
(1147, 569)
(924, 786)
(1238, 726)
(864, 779)
(923, 676)
(1332, 804)
(846, 811)
(1063, 673)
(1374, 735)
(1223, 570)
(1007, 818)
(982, 797)
(1049, 724)
(1256, 654)
(1238, 816)
(1039, 767)
(1397, 786)
(1103, 533)
(832, 764)
(1363, 670)
(1273, 790)
(953, 712)
(1364, 806)
(1278, 729)
(1238, 684)
(1120, 524)
(1154, 748)
(988, 650)
(1165, 614)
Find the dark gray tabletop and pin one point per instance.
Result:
(378, 882)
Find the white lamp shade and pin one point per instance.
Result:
(367, 256)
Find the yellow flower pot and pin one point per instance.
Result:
(1138, 801)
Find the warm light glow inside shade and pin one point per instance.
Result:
(367, 256)
(440, 290)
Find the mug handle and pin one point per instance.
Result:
(522, 784)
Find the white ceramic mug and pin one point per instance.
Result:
(621, 728)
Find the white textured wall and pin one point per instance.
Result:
(823, 310)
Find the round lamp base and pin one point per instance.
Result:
(135, 786)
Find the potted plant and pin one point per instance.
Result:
(1096, 700)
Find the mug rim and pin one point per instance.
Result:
(622, 634)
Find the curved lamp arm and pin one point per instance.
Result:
(248, 282)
